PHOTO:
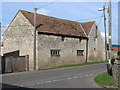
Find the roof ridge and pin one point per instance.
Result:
(56, 17)
(58, 26)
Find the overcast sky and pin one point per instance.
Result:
(75, 11)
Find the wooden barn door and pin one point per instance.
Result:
(19, 64)
(16, 64)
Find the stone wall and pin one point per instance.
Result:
(19, 36)
(114, 53)
(68, 50)
(116, 72)
(96, 47)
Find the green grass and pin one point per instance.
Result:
(104, 80)
(73, 65)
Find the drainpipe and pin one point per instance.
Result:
(34, 53)
(87, 50)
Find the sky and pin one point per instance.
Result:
(75, 11)
(119, 23)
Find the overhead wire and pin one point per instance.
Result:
(100, 20)
(47, 4)
(90, 18)
(76, 20)
(102, 14)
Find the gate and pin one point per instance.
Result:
(12, 62)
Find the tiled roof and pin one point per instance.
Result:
(88, 26)
(58, 26)
(115, 48)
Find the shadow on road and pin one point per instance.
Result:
(12, 87)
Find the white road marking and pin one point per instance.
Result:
(48, 81)
(55, 80)
(15, 84)
(51, 81)
(87, 75)
(69, 78)
(27, 85)
(21, 85)
(32, 84)
(75, 77)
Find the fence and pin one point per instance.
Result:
(12, 62)
(116, 72)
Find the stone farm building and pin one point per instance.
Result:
(58, 41)
(115, 49)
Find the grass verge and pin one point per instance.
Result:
(106, 81)
(73, 65)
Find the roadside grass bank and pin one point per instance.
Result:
(106, 81)
(74, 65)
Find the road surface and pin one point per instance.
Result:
(75, 77)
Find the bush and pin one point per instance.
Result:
(112, 60)
(118, 53)
(118, 58)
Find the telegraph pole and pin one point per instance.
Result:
(103, 9)
(0, 52)
(105, 32)
(35, 12)
(110, 28)
(0, 31)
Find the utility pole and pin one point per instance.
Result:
(0, 31)
(35, 12)
(0, 52)
(105, 32)
(103, 9)
(110, 28)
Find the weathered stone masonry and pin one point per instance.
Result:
(116, 72)
(68, 50)
(63, 35)
(96, 50)
(19, 36)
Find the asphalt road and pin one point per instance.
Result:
(75, 77)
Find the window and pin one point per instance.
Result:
(95, 49)
(55, 52)
(80, 52)
(62, 38)
(80, 39)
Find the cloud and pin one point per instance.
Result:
(43, 11)
(103, 34)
